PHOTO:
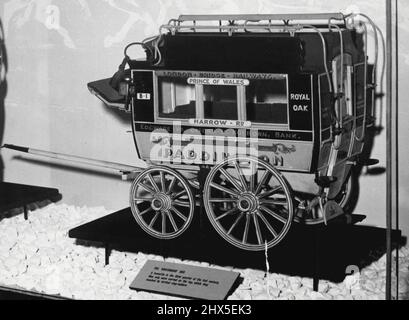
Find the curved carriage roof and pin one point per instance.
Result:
(256, 52)
(254, 43)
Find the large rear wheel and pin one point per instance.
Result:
(248, 202)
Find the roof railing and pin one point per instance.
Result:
(261, 17)
(252, 22)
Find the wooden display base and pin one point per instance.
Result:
(316, 252)
(13, 195)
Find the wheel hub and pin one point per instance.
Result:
(248, 202)
(161, 201)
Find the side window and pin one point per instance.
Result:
(267, 101)
(261, 100)
(220, 102)
(360, 89)
(325, 107)
(176, 98)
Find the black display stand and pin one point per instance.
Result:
(316, 252)
(7, 293)
(14, 195)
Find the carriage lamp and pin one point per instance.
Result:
(127, 90)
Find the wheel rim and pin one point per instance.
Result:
(162, 202)
(248, 202)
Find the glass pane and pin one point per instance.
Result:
(325, 105)
(267, 101)
(220, 102)
(176, 98)
(360, 90)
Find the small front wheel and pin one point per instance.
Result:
(162, 202)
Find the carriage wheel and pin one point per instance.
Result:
(248, 202)
(162, 202)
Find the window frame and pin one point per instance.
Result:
(241, 103)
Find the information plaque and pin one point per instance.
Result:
(185, 280)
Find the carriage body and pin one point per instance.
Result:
(298, 96)
(268, 93)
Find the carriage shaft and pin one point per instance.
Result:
(66, 157)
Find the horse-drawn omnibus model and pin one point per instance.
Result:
(259, 118)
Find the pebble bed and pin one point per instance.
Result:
(38, 255)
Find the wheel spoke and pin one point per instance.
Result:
(231, 211)
(145, 211)
(171, 185)
(269, 227)
(269, 192)
(253, 176)
(273, 214)
(172, 221)
(241, 175)
(274, 202)
(219, 187)
(153, 183)
(144, 186)
(142, 199)
(258, 231)
(162, 181)
(163, 223)
(179, 194)
(154, 219)
(266, 177)
(180, 215)
(181, 203)
(246, 229)
(231, 179)
(235, 224)
(218, 200)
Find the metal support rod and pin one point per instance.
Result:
(316, 275)
(25, 208)
(392, 166)
(396, 145)
(108, 250)
(388, 288)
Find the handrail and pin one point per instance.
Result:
(375, 30)
(339, 93)
(361, 138)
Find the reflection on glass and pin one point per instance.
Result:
(176, 98)
(360, 90)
